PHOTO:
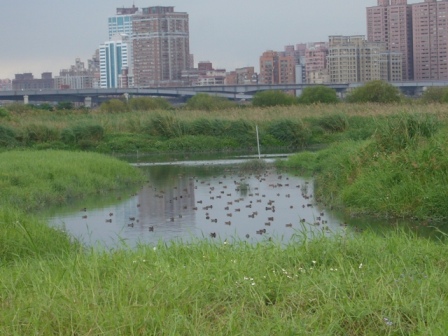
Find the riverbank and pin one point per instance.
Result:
(178, 130)
(402, 171)
(348, 284)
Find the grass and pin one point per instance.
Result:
(31, 180)
(401, 171)
(370, 285)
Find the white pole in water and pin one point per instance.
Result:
(258, 143)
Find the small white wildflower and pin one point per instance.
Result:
(246, 278)
(253, 283)
(360, 265)
(331, 269)
(314, 262)
(144, 260)
(154, 248)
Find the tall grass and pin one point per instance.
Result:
(401, 172)
(370, 285)
(303, 125)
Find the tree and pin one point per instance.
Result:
(375, 92)
(318, 94)
(273, 98)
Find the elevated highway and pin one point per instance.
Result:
(235, 92)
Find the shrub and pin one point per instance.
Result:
(318, 94)
(205, 102)
(435, 94)
(65, 106)
(290, 132)
(18, 108)
(167, 126)
(82, 133)
(7, 137)
(334, 122)
(40, 133)
(375, 92)
(273, 98)
(148, 104)
(114, 106)
(3, 113)
(44, 107)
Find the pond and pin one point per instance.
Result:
(213, 199)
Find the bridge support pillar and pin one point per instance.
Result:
(88, 102)
(26, 99)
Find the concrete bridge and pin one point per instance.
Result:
(235, 92)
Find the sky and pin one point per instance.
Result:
(47, 35)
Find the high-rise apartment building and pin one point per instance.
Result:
(390, 22)
(161, 46)
(352, 59)
(430, 36)
(277, 68)
(316, 63)
(121, 23)
(116, 63)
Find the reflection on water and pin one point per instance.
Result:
(179, 202)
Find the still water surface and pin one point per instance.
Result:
(204, 199)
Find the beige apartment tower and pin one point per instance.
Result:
(352, 59)
(161, 46)
(430, 32)
(390, 22)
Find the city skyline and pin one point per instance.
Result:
(42, 37)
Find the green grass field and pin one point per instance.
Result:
(393, 283)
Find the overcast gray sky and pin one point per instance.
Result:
(47, 35)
